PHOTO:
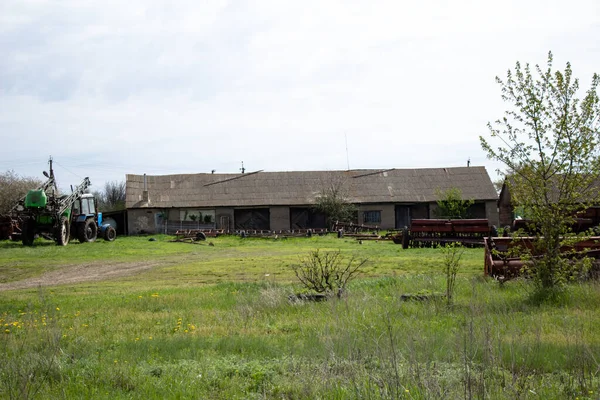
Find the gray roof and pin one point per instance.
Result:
(300, 187)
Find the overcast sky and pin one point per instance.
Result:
(115, 87)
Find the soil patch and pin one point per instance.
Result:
(72, 274)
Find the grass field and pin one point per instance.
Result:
(153, 320)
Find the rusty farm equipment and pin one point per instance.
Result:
(501, 259)
(432, 232)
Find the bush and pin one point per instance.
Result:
(327, 272)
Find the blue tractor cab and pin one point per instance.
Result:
(86, 221)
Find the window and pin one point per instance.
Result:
(371, 217)
(199, 216)
(85, 208)
(92, 206)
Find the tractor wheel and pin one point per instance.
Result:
(110, 234)
(405, 238)
(87, 231)
(28, 232)
(62, 232)
(200, 236)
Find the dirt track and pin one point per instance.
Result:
(81, 273)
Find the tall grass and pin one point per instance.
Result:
(143, 338)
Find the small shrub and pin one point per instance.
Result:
(452, 254)
(327, 272)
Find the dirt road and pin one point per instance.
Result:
(81, 273)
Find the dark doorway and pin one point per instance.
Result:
(306, 218)
(120, 219)
(252, 218)
(476, 210)
(403, 217)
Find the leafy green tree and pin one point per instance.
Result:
(450, 204)
(550, 139)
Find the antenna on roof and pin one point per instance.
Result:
(243, 169)
(347, 157)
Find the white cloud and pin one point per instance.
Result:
(157, 86)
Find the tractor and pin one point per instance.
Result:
(45, 213)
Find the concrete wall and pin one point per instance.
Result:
(506, 210)
(491, 212)
(140, 221)
(279, 218)
(420, 211)
(388, 215)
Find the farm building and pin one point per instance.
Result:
(284, 200)
(506, 210)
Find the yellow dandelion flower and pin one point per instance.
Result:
(57, 309)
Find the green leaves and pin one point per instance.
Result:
(451, 204)
(550, 140)
(333, 201)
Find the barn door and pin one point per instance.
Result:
(403, 217)
(299, 218)
(306, 218)
(224, 222)
(254, 218)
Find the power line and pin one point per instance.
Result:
(68, 170)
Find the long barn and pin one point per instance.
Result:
(387, 198)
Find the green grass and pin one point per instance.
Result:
(216, 322)
(230, 259)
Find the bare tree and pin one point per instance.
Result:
(333, 200)
(112, 197)
(13, 187)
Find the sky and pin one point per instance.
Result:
(109, 88)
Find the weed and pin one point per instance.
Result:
(453, 252)
(327, 272)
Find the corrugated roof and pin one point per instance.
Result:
(301, 187)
